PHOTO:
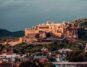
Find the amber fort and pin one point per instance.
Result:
(51, 29)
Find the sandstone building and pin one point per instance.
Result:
(67, 30)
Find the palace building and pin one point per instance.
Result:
(67, 30)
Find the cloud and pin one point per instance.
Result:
(24, 13)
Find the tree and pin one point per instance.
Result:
(76, 56)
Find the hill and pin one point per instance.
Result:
(82, 32)
(6, 33)
(18, 34)
(81, 22)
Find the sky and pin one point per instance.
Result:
(18, 14)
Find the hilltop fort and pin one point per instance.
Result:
(50, 30)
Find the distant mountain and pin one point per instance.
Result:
(18, 33)
(6, 33)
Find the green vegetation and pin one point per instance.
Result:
(24, 48)
(35, 64)
(82, 32)
(77, 56)
(81, 22)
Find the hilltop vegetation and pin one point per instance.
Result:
(82, 31)
(81, 22)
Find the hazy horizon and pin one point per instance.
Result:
(18, 14)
